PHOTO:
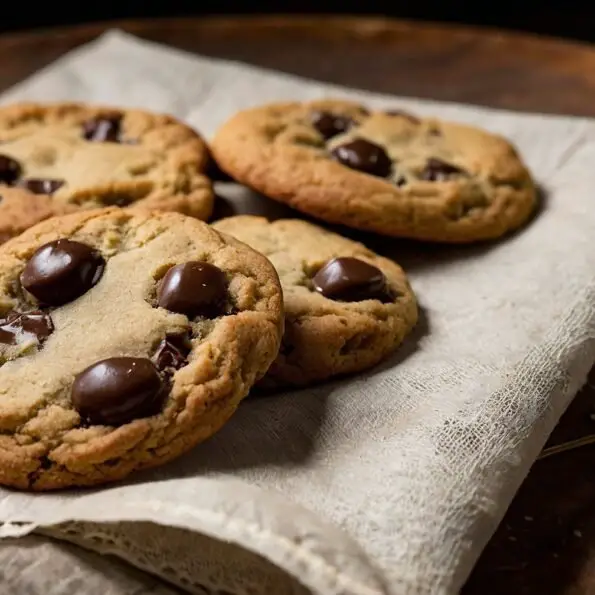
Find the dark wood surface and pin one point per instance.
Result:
(546, 543)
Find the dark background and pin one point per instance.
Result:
(574, 19)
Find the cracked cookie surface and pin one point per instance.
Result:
(341, 314)
(88, 157)
(126, 338)
(387, 172)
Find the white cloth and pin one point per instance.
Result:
(389, 483)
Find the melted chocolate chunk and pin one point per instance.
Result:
(352, 280)
(10, 170)
(399, 113)
(437, 170)
(194, 289)
(329, 124)
(41, 185)
(365, 156)
(20, 327)
(117, 390)
(104, 129)
(172, 353)
(61, 271)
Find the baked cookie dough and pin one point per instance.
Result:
(346, 308)
(387, 172)
(90, 157)
(126, 338)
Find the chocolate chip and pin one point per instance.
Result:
(10, 170)
(19, 327)
(194, 289)
(437, 170)
(45, 462)
(329, 124)
(41, 185)
(364, 156)
(352, 280)
(400, 181)
(103, 130)
(399, 113)
(8, 334)
(61, 271)
(172, 353)
(117, 390)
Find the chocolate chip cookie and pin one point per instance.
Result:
(126, 337)
(387, 172)
(20, 209)
(346, 308)
(91, 157)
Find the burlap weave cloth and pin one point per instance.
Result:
(388, 483)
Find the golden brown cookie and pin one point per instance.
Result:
(90, 157)
(346, 308)
(126, 338)
(20, 209)
(390, 173)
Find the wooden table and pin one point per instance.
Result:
(546, 543)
